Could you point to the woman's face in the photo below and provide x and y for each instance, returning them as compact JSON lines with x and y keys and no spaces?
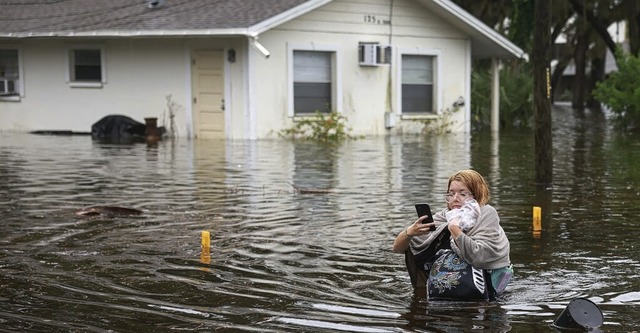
{"x":457,"y":194}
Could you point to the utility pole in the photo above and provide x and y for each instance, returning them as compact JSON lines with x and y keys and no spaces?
{"x":542,"y":93}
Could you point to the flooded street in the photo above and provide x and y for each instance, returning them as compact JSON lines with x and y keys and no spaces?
{"x":301,"y":233}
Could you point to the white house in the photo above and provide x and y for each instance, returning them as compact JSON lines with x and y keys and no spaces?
{"x":239,"y":69}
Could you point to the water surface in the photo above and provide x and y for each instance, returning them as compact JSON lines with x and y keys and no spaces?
{"x":301,"y":233}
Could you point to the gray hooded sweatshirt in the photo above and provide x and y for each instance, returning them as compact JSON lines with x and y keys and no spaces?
{"x":484,"y":246}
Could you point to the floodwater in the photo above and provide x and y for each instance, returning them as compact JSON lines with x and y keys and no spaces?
{"x":301,"y":234}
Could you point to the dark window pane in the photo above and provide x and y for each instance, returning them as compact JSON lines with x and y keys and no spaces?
{"x":417,"y":98}
{"x":312,"y":81}
{"x":312,"y":97}
{"x":88,"y":73}
{"x":9,"y":68}
{"x":87,"y":65}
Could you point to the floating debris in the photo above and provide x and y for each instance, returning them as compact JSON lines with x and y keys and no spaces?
{"x":109,"y":211}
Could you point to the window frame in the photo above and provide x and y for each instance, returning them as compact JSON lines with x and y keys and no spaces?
{"x":336,"y":76}
{"x":70,"y":76}
{"x":437,"y":80}
{"x":19,"y":86}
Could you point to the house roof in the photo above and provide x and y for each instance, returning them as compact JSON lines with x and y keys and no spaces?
{"x":136,"y":18}
{"x":123,"y":18}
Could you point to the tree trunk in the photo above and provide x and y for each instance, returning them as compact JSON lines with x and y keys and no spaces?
{"x":597,"y":75}
{"x":599,"y":27}
{"x":579,"y":78}
{"x":557,"y":77}
{"x":633,"y":28}
{"x":541,"y":94}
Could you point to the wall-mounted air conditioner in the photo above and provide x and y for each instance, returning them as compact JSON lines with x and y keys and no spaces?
{"x":7,"y":87}
{"x":384,"y":54}
{"x":374,"y":54}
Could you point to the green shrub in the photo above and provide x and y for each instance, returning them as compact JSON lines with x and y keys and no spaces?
{"x":322,"y":127}
{"x":440,"y":125}
{"x":516,"y":96}
{"x":621,"y":92}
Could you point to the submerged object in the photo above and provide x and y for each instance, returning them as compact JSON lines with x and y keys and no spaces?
{"x":109,"y":211}
{"x":581,"y":314}
{"x":122,"y":129}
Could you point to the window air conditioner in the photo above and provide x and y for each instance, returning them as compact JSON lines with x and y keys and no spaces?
{"x":384,"y":54}
{"x":368,"y":54}
{"x":6,"y":87}
{"x":374,"y":54}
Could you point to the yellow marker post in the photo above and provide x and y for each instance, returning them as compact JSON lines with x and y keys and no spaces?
{"x":206,"y":240}
{"x":205,"y":254}
{"x":537,"y":219}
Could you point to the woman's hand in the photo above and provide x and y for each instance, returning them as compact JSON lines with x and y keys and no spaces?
{"x":454,"y":228}
{"x":419,"y":227}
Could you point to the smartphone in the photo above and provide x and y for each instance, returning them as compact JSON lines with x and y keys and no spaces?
{"x":423,"y":209}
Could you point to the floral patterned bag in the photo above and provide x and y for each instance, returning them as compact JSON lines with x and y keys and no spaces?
{"x":452,"y":278}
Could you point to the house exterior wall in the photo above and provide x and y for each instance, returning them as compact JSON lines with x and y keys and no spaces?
{"x":365,"y":93}
{"x":140,"y":74}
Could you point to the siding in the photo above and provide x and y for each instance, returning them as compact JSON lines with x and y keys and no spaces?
{"x":366,"y":92}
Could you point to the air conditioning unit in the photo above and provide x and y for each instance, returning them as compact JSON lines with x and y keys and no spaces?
{"x":368,"y":54}
{"x":384,"y":54}
{"x":7,"y":87}
{"x":374,"y":54}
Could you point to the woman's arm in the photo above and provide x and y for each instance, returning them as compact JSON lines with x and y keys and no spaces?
{"x":485,"y":245}
{"x":403,"y":239}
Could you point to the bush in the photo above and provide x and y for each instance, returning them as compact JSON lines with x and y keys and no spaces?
{"x":621,"y":92}
{"x":323,"y":127}
{"x":516,"y":96}
{"x":440,"y":125}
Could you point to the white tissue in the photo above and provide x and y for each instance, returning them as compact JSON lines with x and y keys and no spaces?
{"x":466,"y":216}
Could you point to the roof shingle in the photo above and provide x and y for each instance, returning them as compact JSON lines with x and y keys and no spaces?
{"x":52,"y":17}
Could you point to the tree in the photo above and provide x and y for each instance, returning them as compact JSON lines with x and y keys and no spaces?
{"x":621,"y":92}
{"x":542,"y":106}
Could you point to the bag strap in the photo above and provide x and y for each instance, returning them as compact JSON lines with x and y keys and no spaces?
{"x":442,"y":241}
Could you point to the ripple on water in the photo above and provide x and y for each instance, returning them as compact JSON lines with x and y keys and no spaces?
{"x":300,"y":235}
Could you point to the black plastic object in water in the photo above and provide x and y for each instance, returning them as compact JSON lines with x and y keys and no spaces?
{"x":581,"y":314}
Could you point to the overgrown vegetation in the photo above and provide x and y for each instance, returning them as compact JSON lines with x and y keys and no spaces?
{"x":516,"y":97}
{"x":440,"y":125}
{"x":168,"y":117}
{"x":621,"y":92}
{"x":322,"y":127}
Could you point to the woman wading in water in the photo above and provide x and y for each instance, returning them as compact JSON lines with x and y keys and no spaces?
{"x":468,"y":248}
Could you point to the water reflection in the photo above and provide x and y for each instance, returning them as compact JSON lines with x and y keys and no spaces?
{"x":301,"y":233}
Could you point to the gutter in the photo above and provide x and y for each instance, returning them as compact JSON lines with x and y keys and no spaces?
{"x":131,"y":33}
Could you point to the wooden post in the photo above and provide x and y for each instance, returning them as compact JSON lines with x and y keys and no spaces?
{"x":542,"y":94}
{"x":151,"y":130}
{"x":495,"y":95}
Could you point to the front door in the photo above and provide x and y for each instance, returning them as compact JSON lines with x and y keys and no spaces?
{"x":208,"y":94}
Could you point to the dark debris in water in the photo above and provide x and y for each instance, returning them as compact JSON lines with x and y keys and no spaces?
{"x":107,"y":211}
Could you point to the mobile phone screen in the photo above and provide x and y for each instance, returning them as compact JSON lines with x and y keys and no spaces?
{"x":423,"y":209}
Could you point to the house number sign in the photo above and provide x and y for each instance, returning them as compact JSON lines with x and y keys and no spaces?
{"x":372,"y":19}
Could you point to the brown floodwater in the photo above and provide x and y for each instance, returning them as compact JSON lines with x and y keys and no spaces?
{"x":301,"y":233}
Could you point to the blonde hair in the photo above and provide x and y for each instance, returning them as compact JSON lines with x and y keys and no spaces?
{"x":474,"y":182}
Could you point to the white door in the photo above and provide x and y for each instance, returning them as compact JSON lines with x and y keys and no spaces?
{"x":207,"y":82}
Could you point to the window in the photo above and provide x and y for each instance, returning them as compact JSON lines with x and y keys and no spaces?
{"x":418,"y":84}
{"x":9,"y":73}
{"x":312,"y":82}
{"x":85,"y":65}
